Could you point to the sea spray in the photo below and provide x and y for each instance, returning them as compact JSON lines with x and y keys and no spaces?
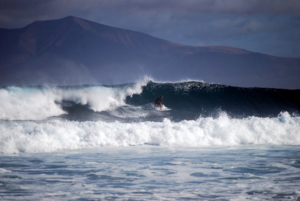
{"x":38,"y":103}
{"x":55,"y":135}
{"x":215,"y":142}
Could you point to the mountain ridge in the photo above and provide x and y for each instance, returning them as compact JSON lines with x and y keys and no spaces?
{"x":72,"y":50}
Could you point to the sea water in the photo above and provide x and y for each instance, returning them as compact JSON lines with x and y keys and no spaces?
{"x":108,"y":143}
{"x":145,"y":172}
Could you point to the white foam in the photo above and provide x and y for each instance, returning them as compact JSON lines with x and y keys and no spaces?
{"x":29,"y":103}
{"x":163,"y":108}
{"x":55,"y":135}
{"x":176,"y":82}
{"x":19,"y":103}
{"x":2,"y":170}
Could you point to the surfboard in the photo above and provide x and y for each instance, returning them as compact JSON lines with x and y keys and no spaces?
{"x":158,"y":108}
{"x":164,"y":108}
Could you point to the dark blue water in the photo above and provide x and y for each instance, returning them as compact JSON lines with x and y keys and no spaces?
{"x":210,"y":142}
{"x":154,"y":173}
{"x":188,"y":100}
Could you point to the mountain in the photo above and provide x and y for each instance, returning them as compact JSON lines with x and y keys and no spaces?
{"x":73,"y":51}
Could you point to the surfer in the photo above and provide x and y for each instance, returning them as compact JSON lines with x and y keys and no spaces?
{"x":158,"y":101}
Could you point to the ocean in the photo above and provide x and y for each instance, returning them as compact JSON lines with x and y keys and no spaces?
{"x":108,"y":142}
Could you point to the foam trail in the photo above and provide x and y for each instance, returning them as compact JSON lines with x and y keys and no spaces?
{"x":38,"y":103}
{"x":58,"y":135}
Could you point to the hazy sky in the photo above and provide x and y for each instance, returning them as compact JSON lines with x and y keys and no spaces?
{"x":265,"y":26}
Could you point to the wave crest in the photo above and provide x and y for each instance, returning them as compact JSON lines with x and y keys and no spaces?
{"x":59,"y":135}
{"x":38,"y":103}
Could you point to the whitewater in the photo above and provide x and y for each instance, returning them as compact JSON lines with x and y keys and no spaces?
{"x":211,"y":142}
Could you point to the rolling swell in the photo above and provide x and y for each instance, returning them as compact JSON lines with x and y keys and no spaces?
{"x":189,"y":100}
{"x":134,"y":102}
{"x":48,"y":119}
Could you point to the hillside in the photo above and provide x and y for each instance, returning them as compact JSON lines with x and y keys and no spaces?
{"x":73,"y":51}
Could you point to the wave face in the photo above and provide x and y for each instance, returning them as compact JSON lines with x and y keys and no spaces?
{"x":189,"y":100}
{"x":46,"y":119}
{"x":134,"y":102}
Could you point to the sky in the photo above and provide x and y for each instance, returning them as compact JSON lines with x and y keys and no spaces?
{"x":265,"y":26}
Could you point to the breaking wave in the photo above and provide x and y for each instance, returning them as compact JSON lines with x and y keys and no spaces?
{"x":56,"y":135}
{"x":196,"y":114}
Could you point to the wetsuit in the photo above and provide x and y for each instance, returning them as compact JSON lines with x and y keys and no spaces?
{"x":158,"y":101}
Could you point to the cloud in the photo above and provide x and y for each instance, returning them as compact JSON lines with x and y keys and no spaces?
{"x":239,"y":23}
{"x":204,"y":6}
{"x":14,"y":13}
{"x":37,"y":8}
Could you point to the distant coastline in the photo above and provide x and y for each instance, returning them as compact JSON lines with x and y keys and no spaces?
{"x":74,"y":51}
